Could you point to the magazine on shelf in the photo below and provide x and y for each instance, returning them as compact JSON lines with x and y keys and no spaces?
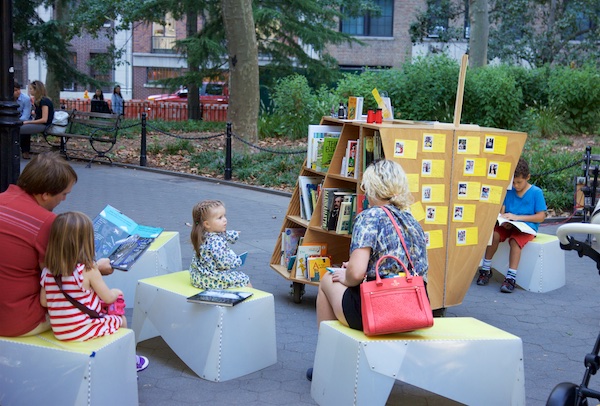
{"x":521,"y":225}
{"x":120,"y":239}
{"x":219,"y":297}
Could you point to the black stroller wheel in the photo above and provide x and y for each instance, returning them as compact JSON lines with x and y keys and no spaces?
{"x":564,"y":394}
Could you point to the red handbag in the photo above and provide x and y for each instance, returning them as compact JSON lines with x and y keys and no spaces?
{"x":395,"y":305}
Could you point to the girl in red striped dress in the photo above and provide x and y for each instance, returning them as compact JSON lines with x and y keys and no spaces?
{"x":70,"y":255}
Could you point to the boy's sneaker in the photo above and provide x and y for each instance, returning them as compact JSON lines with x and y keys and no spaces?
{"x":508,"y":285}
{"x":484,"y":277}
{"x":141,"y":362}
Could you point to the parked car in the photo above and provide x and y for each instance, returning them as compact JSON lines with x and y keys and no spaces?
{"x":210,"y":93}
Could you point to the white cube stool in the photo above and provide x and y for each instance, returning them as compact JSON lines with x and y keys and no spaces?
{"x":162,"y":256}
{"x":462,"y":359}
{"x":542,"y":264}
{"x":218,"y":343}
{"x":41,"y":370}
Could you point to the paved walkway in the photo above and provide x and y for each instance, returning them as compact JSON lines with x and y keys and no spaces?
{"x":557,"y":328}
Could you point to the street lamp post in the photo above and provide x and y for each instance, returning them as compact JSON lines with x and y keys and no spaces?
{"x":9,"y":116}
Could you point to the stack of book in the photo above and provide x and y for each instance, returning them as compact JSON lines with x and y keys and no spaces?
{"x":322,"y":141}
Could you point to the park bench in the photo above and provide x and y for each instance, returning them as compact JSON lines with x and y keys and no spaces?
{"x":100,"y":129}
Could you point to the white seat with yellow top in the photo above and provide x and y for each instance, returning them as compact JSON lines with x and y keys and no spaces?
{"x":218,"y":343}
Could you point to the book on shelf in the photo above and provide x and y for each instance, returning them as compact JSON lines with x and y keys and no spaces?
{"x":521,"y":225}
{"x":331,"y":204}
{"x":325,"y":150}
{"x":120,"y":239}
{"x":372,"y":149}
{"x":219,"y":297}
{"x":290,"y":239}
{"x":317,"y":266}
{"x":355,"y":107}
{"x":316,"y":132}
{"x":306,"y":250}
{"x":350,"y":159}
{"x":345,"y":217}
{"x":306,"y":185}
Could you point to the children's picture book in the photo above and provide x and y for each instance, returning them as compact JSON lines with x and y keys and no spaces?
{"x":317,"y":266}
{"x":219,"y":297}
{"x":306,"y":250}
{"x":120,"y":239}
{"x":290,"y":239}
{"x":524,"y":227}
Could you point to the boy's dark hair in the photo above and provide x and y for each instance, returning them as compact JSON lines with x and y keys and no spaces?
{"x":522,"y":169}
{"x":17,"y":85}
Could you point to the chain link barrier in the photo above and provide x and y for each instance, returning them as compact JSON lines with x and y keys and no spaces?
{"x":267,"y":149}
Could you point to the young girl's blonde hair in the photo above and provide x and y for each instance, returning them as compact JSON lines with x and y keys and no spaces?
{"x":199,"y":216}
{"x":71,"y":242}
{"x":386,"y":180}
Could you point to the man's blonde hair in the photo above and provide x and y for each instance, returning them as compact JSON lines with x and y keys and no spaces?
{"x":386,"y":180}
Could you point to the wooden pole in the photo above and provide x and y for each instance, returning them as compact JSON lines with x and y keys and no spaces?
{"x":460,"y":91}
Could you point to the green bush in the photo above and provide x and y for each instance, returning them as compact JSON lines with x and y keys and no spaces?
{"x":550,"y":172}
{"x":428,"y":90}
{"x":492,"y":98}
{"x":576,"y":94}
{"x":295,"y":106}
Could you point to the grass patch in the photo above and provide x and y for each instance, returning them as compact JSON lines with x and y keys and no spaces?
{"x":261,"y":169}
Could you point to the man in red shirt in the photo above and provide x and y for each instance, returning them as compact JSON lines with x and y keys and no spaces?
{"x":25,"y":220}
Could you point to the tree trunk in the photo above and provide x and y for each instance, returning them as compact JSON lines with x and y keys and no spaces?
{"x":479,"y":32}
{"x":243,"y":69}
{"x":194,"y":112}
{"x":52,"y":83}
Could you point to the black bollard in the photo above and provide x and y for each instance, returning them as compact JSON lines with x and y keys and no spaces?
{"x":228,"y":153}
{"x":143,"y":143}
{"x":9,"y":116}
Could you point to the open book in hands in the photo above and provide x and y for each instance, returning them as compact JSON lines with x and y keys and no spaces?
{"x":521,"y":225}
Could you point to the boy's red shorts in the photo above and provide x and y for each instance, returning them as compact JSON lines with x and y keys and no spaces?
{"x":520,"y":237}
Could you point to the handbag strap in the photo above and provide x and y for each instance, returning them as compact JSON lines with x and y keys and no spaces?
{"x":411,"y":267}
{"x":92,"y":313}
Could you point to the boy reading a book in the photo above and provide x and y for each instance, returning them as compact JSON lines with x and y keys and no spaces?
{"x":523,"y":203}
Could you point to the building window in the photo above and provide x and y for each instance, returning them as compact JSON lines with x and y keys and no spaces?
{"x":155,"y":74}
{"x":100,"y":69}
{"x":18,"y":63}
{"x":380,"y":25}
{"x":164,"y":36}
{"x":71,"y":86}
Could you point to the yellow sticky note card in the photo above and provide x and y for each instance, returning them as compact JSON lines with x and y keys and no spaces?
{"x":434,"y":142}
{"x":436,"y":215}
{"x":499,"y":170}
{"x":467,"y":236}
{"x":467,"y":145}
{"x":463,"y":213}
{"x":491,"y":194}
{"x":495,"y":144}
{"x":433,"y":193}
{"x":475,"y":167}
{"x":433,"y":168}
{"x":416,"y":209}
{"x":413,"y":182}
{"x":469,"y":190}
{"x":434,"y":239}
{"x":405,"y":149}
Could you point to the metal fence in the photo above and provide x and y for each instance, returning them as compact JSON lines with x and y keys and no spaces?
{"x":167,"y":111}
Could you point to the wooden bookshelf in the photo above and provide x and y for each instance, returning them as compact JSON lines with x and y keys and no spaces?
{"x":441,"y":161}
